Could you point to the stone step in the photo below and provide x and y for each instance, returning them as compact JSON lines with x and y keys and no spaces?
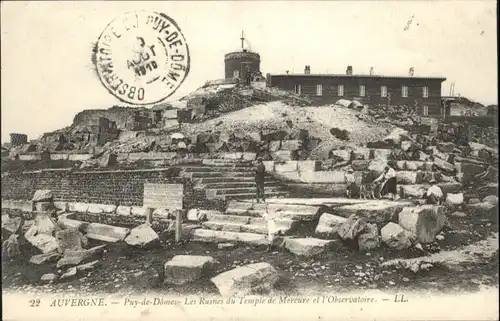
{"x":245,"y":184}
{"x":199,"y":174}
{"x":222,"y":179}
{"x":249,"y":196}
{"x":257,"y":228}
{"x":290,"y":214}
{"x":238,"y":190}
{"x":212,"y":236}
{"x":194,"y":169}
{"x":247,"y":219}
{"x":271,"y":206}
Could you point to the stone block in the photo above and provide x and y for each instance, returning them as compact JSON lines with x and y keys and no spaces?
{"x":274,"y":145}
{"x":343,"y":154}
{"x":138,"y":210}
{"x":123,"y":210}
{"x":425,"y":221}
{"x":328,"y":225}
{"x":374,"y":211}
{"x":183,"y":269}
{"x":307,"y":247}
{"x":45,"y":258}
{"x":492,"y":199}
{"x":308,"y":166}
{"x":62,"y":206}
{"x":291,"y":145}
{"x":48,"y":277}
{"x":445,"y":147}
{"x":11,"y":248}
{"x":246,"y":280}
{"x":101,"y":208}
{"x":70,"y":273}
{"x":455,"y":199}
{"x":68,"y":240}
{"x":43,"y":207}
{"x":282,"y":155}
{"x":289,"y":166}
{"x":352,"y":227}
{"x":444,"y":165}
{"x":409,"y":177}
{"x":369,"y":239}
{"x":412,"y":191}
{"x":269,"y":165}
{"x":381,"y":154}
{"x":78,"y":207}
{"x":395,"y":237}
{"x":43,"y":195}
{"x":249,"y":156}
{"x":361,"y":153}
{"x":11,"y":225}
{"x":142,"y":236}
{"x":333,"y":177}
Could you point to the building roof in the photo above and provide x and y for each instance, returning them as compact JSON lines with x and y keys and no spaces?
{"x":358,"y":76}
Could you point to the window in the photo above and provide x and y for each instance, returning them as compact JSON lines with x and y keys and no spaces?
{"x":236,"y":74}
{"x":319,"y":90}
{"x":383,"y":91}
{"x":297,"y":89}
{"x":425,"y":92}
{"x":426,"y":110}
{"x":404,"y":91}
{"x":341,"y":90}
{"x":362,"y":91}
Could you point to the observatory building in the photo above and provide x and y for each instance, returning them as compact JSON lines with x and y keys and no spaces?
{"x":239,"y":63}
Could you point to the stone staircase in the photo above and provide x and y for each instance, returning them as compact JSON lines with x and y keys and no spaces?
{"x":227,"y":180}
{"x":242,"y":222}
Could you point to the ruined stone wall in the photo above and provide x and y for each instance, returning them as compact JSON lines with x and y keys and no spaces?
{"x":101,"y":187}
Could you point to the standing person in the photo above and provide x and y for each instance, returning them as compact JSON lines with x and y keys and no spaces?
{"x":260,"y":173}
{"x":388,"y":179}
{"x":434,"y":194}
{"x":350,"y":181}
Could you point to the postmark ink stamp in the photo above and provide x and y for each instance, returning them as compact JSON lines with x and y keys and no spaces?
{"x":142,"y":57}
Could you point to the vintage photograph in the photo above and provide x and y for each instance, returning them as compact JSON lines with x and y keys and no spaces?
{"x":262,"y":156}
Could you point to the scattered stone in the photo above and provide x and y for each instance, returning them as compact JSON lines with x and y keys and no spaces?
{"x":424,"y":221}
{"x":87,"y":266}
{"x":222,"y":246}
{"x":70,"y":273}
{"x":493,"y":199}
{"x":11,"y":224}
{"x":474,"y":201}
{"x":142,"y":236}
{"x":307,"y":247}
{"x":73,"y":258}
{"x":352,"y":227}
{"x":107,"y":159}
{"x":69,"y":239}
{"x":392,"y":283}
{"x":45,"y":224}
{"x":406,"y":280}
{"x":44,"y":258}
{"x":444,"y":165}
{"x":369,"y":238}
{"x":245,"y":280}
{"x":43,"y":195}
{"x":328,"y":225}
{"x":395,"y":236}
{"x":49,"y":277}
{"x":445,"y":147}
{"x":10,"y":247}
{"x":188,"y":268}
{"x":455,"y":199}
{"x":44,"y":242}
{"x":458,"y":214}
{"x":440,"y":237}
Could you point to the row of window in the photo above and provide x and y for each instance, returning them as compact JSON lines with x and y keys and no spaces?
{"x":362,"y":91}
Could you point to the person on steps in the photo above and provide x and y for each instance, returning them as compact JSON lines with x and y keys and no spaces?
{"x":389,"y":183}
{"x":350,"y":181}
{"x":260,"y":173}
{"x":434,"y":194}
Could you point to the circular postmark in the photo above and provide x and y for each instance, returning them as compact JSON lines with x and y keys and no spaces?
{"x":142,"y":58}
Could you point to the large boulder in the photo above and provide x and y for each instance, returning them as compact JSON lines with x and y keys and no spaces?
{"x":10,"y":247}
{"x":306,"y":247}
{"x":42,"y":241}
{"x":11,"y":225}
{"x":425,"y":221}
{"x":183,"y":269}
{"x":142,"y":236}
{"x":369,"y":239}
{"x":328,"y":225}
{"x":395,"y":237}
{"x":245,"y":280}
{"x":69,"y":240}
{"x":43,"y":195}
{"x":352,"y":227}
{"x":72,"y":258}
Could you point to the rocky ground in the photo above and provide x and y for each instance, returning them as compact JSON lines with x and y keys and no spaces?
{"x":470,"y":241}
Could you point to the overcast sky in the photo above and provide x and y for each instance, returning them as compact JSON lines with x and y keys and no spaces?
{"x":47,"y":74}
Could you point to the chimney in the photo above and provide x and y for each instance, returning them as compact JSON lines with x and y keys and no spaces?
{"x":287,"y":72}
{"x":307,"y":70}
{"x":349,"y":71}
{"x":411,"y":72}
{"x":371,"y":71}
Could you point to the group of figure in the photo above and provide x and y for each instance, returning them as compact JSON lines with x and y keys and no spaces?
{"x":387,"y":180}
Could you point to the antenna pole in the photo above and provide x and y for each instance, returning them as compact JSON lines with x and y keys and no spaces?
{"x":242,"y":39}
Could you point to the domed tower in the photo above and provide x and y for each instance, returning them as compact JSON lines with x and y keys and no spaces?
{"x":239,"y":63}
